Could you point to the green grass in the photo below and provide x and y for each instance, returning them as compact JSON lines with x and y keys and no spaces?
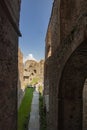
{"x":24,"y":109}
{"x":42,"y":111}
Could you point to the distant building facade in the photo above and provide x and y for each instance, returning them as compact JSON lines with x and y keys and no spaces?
{"x":33,"y":70}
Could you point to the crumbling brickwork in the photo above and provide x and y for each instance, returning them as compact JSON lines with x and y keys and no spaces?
{"x":9,"y":32}
{"x":33,"y":70}
{"x":66,"y":64}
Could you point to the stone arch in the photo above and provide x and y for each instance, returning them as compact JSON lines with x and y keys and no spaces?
{"x":85,"y":105}
{"x":70,"y":103}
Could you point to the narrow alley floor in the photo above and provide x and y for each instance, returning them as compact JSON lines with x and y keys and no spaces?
{"x":34,"y":115}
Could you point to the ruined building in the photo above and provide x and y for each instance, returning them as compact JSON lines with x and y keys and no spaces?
{"x":9,"y":32}
{"x":33,"y":70}
{"x":66,"y":66}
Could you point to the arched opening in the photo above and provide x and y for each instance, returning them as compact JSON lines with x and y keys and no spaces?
{"x":85,"y":106}
{"x":70,"y":105}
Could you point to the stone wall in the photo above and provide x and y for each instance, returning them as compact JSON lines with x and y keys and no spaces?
{"x":66,"y":44}
{"x":9,"y":33}
{"x":20,"y":77}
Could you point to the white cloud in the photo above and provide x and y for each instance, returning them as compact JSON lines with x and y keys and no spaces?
{"x":29,"y":57}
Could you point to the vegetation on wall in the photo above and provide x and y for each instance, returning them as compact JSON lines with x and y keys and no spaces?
{"x":40,"y":89}
{"x":35,"y":80}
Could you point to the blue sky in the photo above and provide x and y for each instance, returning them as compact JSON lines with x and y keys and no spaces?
{"x":34,"y":19}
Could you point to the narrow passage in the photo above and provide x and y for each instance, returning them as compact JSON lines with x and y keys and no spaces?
{"x":34,"y":115}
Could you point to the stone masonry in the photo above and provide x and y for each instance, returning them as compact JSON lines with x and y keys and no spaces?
{"x":66,"y":64}
{"x":9,"y":32}
{"x":20,"y":76}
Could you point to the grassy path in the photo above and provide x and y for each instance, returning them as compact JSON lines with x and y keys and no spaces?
{"x":24,"y":109}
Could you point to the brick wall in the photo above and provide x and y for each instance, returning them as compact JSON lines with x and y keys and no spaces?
{"x":8,"y":66}
{"x":67,"y":29}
